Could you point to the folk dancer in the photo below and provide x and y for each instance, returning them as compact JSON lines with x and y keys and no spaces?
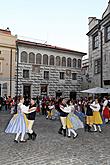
{"x":97,"y":120}
{"x":18,"y":123}
{"x":31,"y":118}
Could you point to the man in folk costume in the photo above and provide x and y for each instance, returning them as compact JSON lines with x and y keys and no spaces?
{"x":89,"y":115}
{"x":97,"y":120}
{"x":19,"y":123}
{"x":63,"y":116}
{"x":31,"y":118}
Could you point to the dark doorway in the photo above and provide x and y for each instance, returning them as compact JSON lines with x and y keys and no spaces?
{"x":58,"y":94}
{"x":27,"y":91}
{"x":73,"y":95}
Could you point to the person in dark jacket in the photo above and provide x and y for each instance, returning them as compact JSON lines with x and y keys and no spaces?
{"x":31,"y":118}
{"x":89,"y":115}
{"x":63,"y":116}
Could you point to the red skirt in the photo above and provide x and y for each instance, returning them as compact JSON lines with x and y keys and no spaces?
{"x":106,"y":113}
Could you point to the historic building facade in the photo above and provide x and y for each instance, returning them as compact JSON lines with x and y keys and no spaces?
{"x":48,"y":70}
{"x":99,"y":49}
{"x":7,"y":62}
{"x":86,"y":82}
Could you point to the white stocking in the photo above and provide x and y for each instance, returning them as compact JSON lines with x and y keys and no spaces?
{"x":22,"y":136}
{"x":17,"y":136}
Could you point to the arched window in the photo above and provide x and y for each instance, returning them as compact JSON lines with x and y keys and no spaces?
{"x":31,"y":58}
{"x":51,"y":60}
{"x":24,"y":57}
{"x":79,"y":63}
{"x":63,"y":61}
{"x":58,"y":61}
{"x":45,"y":59}
{"x":74,"y":63}
{"x":68,"y":62}
{"x":38,"y":58}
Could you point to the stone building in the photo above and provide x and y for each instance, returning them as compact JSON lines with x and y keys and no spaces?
{"x":7,"y":62}
{"x":86,"y":82}
{"x":99,"y":49}
{"x":48,"y":70}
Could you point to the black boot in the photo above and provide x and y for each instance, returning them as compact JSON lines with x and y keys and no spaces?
{"x":64,"y":132}
{"x":34,"y":135}
{"x":60,"y":130}
{"x":29,"y":136}
{"x":89,"y":128}
{"x":86,"y":127}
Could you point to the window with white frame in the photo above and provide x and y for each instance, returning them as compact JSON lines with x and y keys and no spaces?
{"x":38,"y":58}
{"x":24,"y":57}
{"x":31,"y":58}
{"x":107,"y":33}
{"x":69,"y":62}
{"x":45,"y":59}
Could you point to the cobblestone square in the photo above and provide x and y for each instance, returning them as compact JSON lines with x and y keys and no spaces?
{"x":50,"y":148}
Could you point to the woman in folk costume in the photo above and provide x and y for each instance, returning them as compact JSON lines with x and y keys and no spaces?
{"x":97,"y":120}
{"x":106,"y":113}
{"x":63,"y":116}
{"x":105,"y":110}
{"x":73,"y":121}
{"x":18,"y":123}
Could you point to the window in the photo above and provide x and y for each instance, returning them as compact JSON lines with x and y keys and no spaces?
{"x":106,"y":82}
{"x":51,"y":60}
{"x":62,"y":75}
{"x":58,"y":61}
{"x":38,"y":58}
{"x":68,"y":62}
{"x":74,"y":63}
{"x":105,"y":57}
{"x":45,"y":59}
{"x":74,"y":76}
{"x":25,"y":73}
{"x":95,"y":41}
{"x":46,"y":75}
{"x":44,"y":89}
{"x":79,"y":63}
{"x":107,"y":33}
{"x":63,"y":61}
{"x":24,"y":57}
{"x":31,"y":58}
{"x":97,"y":66}
{"x":0,"y":66}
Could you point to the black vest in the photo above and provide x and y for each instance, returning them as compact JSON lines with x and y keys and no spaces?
{"x":32,"y":115}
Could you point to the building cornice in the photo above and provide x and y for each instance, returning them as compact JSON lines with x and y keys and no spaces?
{"x":29,"y":43}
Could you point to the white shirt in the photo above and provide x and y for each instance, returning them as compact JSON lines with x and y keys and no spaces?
{"x":95,"y":107}
{"x":24,"y":108}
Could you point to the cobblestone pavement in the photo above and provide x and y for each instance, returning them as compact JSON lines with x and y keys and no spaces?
{"x":50,"y":148}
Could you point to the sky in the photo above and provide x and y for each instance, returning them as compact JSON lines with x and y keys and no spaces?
{"x":62,"y":23}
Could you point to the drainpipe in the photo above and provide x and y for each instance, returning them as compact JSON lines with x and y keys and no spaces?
{"x":10,"y":72}
{"x":17,"y":58}
{"x":101,"y":56}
